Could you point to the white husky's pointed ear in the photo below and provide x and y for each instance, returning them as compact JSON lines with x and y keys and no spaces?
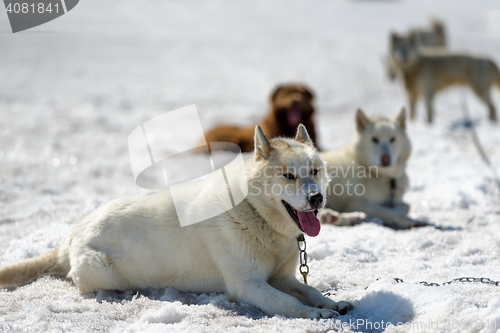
{"x":262,"y":146}
{"x":361,"y":120}
{"x":401,"y":118}
{"x":303,"y":136}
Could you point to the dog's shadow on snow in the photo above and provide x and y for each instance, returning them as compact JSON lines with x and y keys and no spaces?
{"x":426,"y":224}
{"x":371,"y":314}
{"x":444,"y":227}
{"x":377,"y":311}
{"x":218,"y":300}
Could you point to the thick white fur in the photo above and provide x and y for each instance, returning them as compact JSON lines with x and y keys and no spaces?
{"x":364,"y":156}
{"x":249,"y":252}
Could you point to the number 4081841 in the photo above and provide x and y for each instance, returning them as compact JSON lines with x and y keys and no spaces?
{"x":31,"y":8}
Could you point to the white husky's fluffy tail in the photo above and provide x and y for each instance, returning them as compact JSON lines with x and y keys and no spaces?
{"x":28,"y":270}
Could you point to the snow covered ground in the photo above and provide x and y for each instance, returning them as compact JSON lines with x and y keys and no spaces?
{"x":72,"y":90}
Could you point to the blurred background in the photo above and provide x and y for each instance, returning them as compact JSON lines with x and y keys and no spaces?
{"x":73,"y":89}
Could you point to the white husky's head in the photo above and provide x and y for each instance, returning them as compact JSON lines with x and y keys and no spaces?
{"x":287,"y":182}
{"x":382,"y":142}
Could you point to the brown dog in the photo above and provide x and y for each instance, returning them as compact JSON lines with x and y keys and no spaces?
{"x":291,"y":105}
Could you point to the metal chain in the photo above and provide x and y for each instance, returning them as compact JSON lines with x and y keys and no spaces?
{"x":303,"y":268}
{"x":475,"y":139}
{"x":392,"y":190}
{"x":462,"y":279}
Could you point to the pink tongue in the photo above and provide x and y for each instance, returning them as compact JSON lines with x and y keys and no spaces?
{"x":294,"y":117}
{"x":309,"y":223}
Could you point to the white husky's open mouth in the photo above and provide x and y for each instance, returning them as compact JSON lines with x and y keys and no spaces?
{"x":306,"y":221}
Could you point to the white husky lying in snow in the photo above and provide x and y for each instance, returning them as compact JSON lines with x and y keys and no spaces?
{"x":249,"y":252}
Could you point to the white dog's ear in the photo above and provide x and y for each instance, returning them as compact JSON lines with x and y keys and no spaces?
{"x":262,"y":146}
{"x":401,"y":118}
{"x":361,"y":120}
{"x":303,"y":136}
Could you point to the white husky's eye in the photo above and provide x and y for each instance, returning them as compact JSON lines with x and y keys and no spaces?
{"x":314,"y":172}
{"x":375,"y":140}
{"x":288,"y":176}
{"x":391,"y":140}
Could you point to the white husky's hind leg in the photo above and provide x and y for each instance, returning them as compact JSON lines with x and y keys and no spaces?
{"x":92,"y":270}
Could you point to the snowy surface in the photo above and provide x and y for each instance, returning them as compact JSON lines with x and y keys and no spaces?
{"x":73,"y":89}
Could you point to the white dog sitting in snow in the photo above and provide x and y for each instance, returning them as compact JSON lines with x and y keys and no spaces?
{"x":369,"y":176}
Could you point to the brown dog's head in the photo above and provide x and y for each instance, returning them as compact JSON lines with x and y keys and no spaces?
{"x":292,"y":105}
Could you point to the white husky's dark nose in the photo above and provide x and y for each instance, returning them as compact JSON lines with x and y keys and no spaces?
{"x":385,"y":160}
{"x":315,"y":199}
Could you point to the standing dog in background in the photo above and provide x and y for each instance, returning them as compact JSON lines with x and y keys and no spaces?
{"x":434,"y":36}
{"x":428,"y":71}
{"x":369,"y":176}
{"x":291,"y":105}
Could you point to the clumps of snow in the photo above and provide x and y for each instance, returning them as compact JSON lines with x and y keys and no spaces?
{"x":169,"y":313}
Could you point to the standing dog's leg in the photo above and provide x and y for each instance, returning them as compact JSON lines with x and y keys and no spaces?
{"x":484,"y":93}
{"x":413,"y":104}
{"x":413,"y":96}
{"x":429,"y":96}
{"x":412,"y":91}
{"x":492,"y":111}
{"x":427,"y":88}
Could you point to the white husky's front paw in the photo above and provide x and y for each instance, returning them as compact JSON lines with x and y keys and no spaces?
{"x":329,"y":216}
{"x":352,"y":218}
{"x":321,"y":313}
{"x":342,"y":307}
